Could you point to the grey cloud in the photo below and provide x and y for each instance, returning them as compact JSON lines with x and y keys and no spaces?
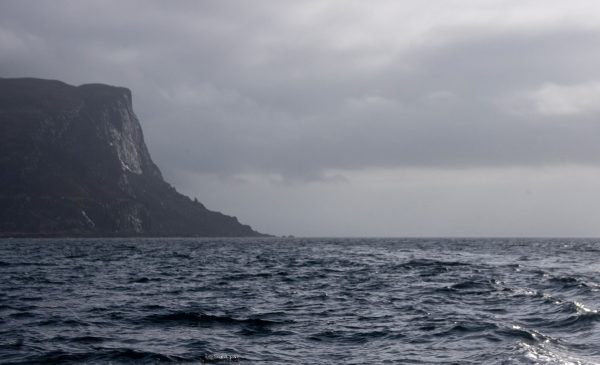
{"x":442,"y":114}
{"x":232,"y":88}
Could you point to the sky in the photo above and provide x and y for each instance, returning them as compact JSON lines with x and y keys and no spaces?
{"x":348,"y":118}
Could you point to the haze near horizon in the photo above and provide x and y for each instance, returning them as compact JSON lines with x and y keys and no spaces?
{"x":345,"y":118}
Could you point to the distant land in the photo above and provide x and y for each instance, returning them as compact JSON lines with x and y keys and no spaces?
{"x":73,"y":162}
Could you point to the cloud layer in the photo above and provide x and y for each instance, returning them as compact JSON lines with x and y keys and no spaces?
{"x":321,"y":91}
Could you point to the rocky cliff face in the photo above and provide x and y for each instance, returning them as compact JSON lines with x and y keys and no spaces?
{"x":73,"y":162}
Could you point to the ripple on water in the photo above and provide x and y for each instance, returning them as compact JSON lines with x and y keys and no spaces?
{"x":304,"y":301}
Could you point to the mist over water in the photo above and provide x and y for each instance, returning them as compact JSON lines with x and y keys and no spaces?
{"x":299,"y":301}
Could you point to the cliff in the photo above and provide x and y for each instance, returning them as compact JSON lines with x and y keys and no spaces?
{"x":73,"y":162}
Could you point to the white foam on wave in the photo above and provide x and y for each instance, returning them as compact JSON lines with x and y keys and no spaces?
{"x":582,"y":308}
{"x":541,"y":354}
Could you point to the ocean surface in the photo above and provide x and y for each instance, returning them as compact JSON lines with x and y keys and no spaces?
{"x":300,"y":301}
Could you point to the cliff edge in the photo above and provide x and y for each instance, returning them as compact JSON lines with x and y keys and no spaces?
{"x":73,"y":162}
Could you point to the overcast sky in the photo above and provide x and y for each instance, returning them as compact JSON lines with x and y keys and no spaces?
{"x":348,"y":118}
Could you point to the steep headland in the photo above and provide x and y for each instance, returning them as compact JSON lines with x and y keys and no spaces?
{"x":73,"y":162}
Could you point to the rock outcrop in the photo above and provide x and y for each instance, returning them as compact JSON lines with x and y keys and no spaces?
{"x":73,"y":162}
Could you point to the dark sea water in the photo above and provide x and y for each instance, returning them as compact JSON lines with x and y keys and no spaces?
{"x":300,"y":301}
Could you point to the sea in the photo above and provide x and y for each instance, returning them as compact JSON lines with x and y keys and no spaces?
{"x":300,"y":301}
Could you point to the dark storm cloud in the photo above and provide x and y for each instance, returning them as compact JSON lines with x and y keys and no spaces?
{"x":299,"y":88}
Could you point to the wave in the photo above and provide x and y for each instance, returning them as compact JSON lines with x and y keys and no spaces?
{"x":426,"y":263}
{"x":544,"y":353}
{"x":354,"y":337}
{"x":314,"y":301}
{"x":102,"y":356}
{"x":217,"y":358}
{"x":200,"y":318}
